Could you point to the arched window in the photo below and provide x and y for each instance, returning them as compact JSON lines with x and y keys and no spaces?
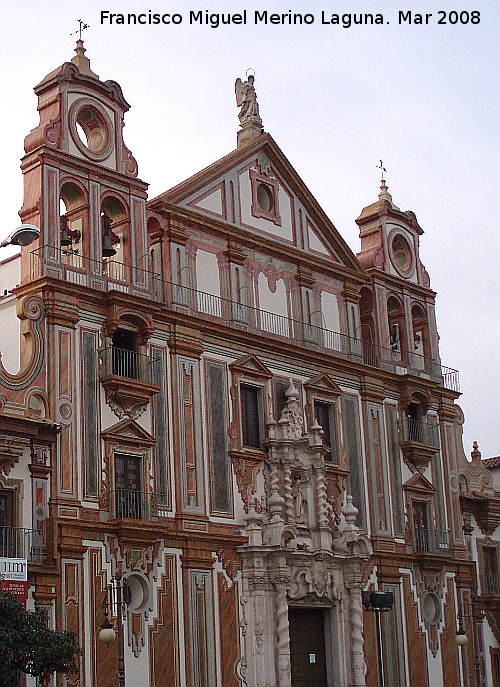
{"x":73,"y":221}
{"x":396,"y":323}
{"x":420,"y":331}
{"x":115,"y":230}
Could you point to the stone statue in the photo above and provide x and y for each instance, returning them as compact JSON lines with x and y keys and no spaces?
{"x":246,"y":99}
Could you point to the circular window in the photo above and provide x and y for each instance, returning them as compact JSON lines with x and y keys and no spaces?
{"x":402,"y":255}
{"x":139,"y":592}
{"x":90,"y":123}
{"x":265,"y":198}
{"x":91,"y":129}
{"x":431,"y":608}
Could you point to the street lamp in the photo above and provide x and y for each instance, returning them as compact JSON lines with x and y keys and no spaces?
{"x":22,"y":236}
{"x":378,"y":602}
{"x":118,"y":595}
{"x":461,"y":637}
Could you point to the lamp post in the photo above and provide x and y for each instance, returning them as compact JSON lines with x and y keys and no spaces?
{"x":476,"y":615}
{"x":118,"y":592}
{"x":378,"y":602}
{"x":22,"y":236}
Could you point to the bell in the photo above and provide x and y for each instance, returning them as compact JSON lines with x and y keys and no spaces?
{"x":107,"y":247}
{"x":65,"y":235}
{"x":107,"y":242}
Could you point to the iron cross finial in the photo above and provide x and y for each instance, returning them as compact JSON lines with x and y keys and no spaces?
{"x":382,"y":169}
{"x":82,"y":27}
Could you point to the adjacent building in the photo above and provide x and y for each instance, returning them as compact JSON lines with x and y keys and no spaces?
{"x":219,"y":400}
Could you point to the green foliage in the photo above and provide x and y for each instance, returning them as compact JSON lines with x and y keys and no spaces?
{"x":28,"y":646}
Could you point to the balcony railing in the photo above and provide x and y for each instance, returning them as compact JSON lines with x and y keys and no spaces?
{"x":420,"y":432}
{"x":16,"y":542}
{"x":119,"y":362}
{"x":112,"y":275}
{"x":130,"y":504}
{"x":432,"y":541}
{"x":490,"y":584}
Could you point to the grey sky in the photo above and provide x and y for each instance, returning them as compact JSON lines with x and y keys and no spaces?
{"x":423,"y":98}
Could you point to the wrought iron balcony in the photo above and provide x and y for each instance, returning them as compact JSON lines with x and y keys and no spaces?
{"x":112,"y":275}
{"x":119,"y":362}
{"x":490,"y":584}
{"x":16,"y":542}
{"x":432,"y":541}
{"x":420,"y":432}
{"x":130,"y":504}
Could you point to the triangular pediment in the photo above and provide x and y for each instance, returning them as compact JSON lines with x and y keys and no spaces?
{"x":128,"y":431}
{"x":256,"y":189}
{"x":251,"y":366}
{"x":419,"y":483}
{"x":323,"y":384}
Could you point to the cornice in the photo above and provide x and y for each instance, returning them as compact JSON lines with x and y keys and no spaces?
{"x":261,"y":243}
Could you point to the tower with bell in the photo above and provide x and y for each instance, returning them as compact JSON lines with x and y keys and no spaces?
{"x":80,"y":179}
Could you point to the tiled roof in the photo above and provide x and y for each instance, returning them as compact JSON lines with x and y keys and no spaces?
{"x":491,"y":462}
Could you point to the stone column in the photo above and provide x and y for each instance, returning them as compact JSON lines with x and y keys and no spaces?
{"x":282,"y":633}
{"x":357,"y":642}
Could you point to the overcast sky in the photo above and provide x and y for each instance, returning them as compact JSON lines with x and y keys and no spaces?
{"x":424,"y":98}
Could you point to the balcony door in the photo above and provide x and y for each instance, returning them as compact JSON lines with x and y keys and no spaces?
{"x":6,"y":508}
{"x":129,"y":496}
{"x":490,"y":570}
{"x":125,"y":359}
{"x":421,"y":523}
{"x":10,"y":537}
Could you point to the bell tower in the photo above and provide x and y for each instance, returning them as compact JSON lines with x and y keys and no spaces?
{"x":80,"y":180}
{"x":398,"y":311}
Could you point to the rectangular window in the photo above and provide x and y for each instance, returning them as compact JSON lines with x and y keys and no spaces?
{"x":325,"y":416}
{"x":251,"y":423}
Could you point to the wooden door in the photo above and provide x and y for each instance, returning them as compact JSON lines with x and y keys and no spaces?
{"x":307,"y":647}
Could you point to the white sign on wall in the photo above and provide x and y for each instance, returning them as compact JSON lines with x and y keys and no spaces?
{"x":14,"y":577}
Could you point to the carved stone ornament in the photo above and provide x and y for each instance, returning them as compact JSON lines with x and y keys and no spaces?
{"x":230,"y":561}
{"x":291,"y":421}
{"x":316,"y":579}
{"x":11,"y":449}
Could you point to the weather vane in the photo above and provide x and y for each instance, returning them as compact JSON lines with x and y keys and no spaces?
{"x":382,"y":170}
{"x":81,"y":28}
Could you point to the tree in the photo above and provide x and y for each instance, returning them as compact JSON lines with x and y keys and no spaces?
{"x":28,"y":646}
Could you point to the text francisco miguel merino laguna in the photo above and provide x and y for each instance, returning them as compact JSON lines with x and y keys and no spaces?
{"x":214,"y":20}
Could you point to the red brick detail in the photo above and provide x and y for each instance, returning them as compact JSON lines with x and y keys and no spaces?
{"x":229,"y":632}
{"x":164,"y":634}
{"x":419,"y":676}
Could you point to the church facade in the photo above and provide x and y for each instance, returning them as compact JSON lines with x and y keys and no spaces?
{"x":219,"y":401}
